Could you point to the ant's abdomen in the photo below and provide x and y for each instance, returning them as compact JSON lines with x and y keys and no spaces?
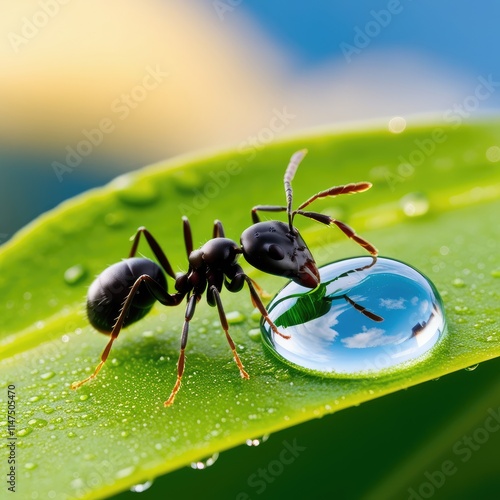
{"x":109,"y":291}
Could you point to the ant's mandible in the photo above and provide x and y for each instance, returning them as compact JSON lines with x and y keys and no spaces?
{"x":126,"y":291}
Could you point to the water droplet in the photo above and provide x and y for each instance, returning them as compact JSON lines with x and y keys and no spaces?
{"x":254,"y":334}
{"x":472,"y":367}
{"x":257,"y":441}
{"x":30,"y":466}
{"x":139,"y":488}
{"x":207,"y":462}
{"x":47,"y":375}
{"x":415,"y":204}
{"x":496,"y":272}
{"x":37,"y":422}
{"x":127,"y":471}
{"x":458,"y":282}
{"x":115,"y":220}
{"x":361,"y":319}
{"x":235,"y":317}
{"x":136,"y":192}
{"x":75,"y":274}
{"x":24,"y":432}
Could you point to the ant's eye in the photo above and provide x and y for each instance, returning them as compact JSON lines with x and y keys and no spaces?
{"x":275,"y":252}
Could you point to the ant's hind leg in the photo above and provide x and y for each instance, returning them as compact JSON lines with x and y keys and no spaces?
{"x":157,"y":291}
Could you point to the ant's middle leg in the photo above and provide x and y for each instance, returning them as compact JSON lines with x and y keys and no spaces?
{"x":225,"y":326}
{"x":190,"y":308}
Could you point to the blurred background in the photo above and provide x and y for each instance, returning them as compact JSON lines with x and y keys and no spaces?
{"x":92,"y":89}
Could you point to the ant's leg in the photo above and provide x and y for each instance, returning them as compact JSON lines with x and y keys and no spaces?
{"x":223,"y":321}
{"x":157,"y":291}
{"x":188,"y":237}
{"x":352,"y":188}
{"x":155,"y":247}
{"x":218,"y":230}
{"x":362,"y":309}
{"x":265,"y":208}
{"x":347,"y":230}
{"x":190,"y":308}
{"x":261,"y":307}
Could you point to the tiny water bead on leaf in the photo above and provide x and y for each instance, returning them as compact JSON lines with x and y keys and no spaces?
{"x":364,"y":317}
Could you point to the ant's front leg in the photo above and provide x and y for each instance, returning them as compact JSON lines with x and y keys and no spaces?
{"x":238,"y":279}
{"x":265,"y":208}
{"x":218,"y":230}
{"x":157,"y":291}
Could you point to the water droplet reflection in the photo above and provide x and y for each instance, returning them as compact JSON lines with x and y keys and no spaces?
{"x":139,"y":488}
{"x":207,"y":462}
{"x":361,"y":318}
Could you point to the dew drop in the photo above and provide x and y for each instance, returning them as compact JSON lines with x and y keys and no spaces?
{"x":24,"y":432}
{"x":235,"y":317}
{"x":30,"y":466}
{"x":139,"y":488}
{"x":415,"y":204}
{"x":361,"y":319}
{"x":47,"y":375}
{"x":115,"y":220}
{"x":127,"y":471}
{"x":75,"y":274}
{"x":458,"y":282}
{"x":496,"y":273}
{"x":254,"y":334}
{"x":257,"y":441}
{"x":472,"y":367}
{"x":136,"y":192}
{"x":207,"y":462}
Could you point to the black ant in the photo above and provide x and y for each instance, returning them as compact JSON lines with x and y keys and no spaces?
{"x":125,"y":292}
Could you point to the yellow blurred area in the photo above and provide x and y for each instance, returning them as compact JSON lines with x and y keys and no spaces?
{"x":147,"y":80}
{"x":168,"y":78}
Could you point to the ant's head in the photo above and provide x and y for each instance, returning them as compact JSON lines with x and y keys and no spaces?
{"x":273,"y":248}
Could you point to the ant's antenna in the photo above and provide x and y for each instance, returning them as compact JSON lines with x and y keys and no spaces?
{"x":289,"y":174}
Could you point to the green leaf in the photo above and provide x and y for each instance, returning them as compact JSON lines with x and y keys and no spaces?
{"x":434,"y":205}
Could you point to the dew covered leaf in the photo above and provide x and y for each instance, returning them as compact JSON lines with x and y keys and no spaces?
{"x":434,"y":205}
